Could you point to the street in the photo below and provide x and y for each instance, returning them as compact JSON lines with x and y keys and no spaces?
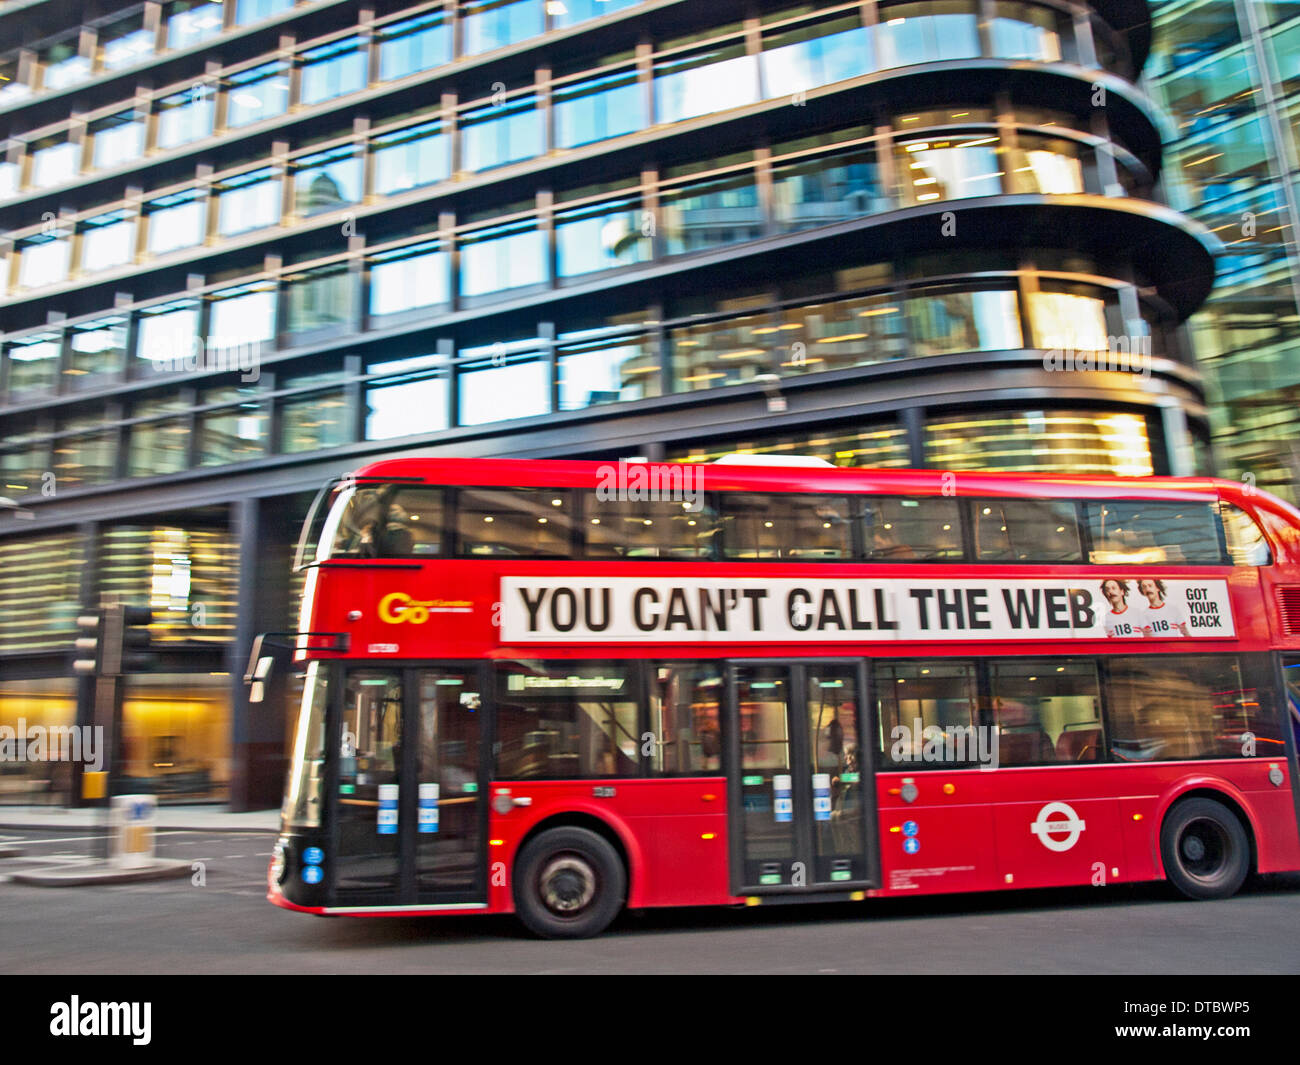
{"x":226,"y":926}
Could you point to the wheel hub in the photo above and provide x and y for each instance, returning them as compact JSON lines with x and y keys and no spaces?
{"x":1204,"y":848}
{"x":568,"y":884}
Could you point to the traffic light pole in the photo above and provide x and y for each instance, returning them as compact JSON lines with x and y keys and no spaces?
{"x":116,"y":636}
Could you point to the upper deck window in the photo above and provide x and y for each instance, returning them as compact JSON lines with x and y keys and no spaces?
{"x":911,"y":530}
{"x":797,"y":528}
{"x":514,"y":521}
{"x":1026,"y":530}
{"x":1139,"y":531}
{"x":392,"y":521}
{"x":1246,"y":543}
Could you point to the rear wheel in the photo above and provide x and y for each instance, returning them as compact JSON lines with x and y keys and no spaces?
{"x":1205,"y":849}
{"x":569,"y":884}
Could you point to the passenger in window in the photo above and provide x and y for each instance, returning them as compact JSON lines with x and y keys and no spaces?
{"x":1124,"y":619}
{"x":1165,"y":618}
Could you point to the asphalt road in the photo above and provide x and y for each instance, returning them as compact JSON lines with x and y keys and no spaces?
{"x":225,"y":926}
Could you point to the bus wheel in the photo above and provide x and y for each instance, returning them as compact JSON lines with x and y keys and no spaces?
{"x":569,"y":883}
{"x":1205,"y":849}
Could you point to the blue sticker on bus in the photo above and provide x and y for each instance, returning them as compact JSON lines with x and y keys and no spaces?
{"x":313,"y":856}
{"x":312,"y":874}
{"x":911,"y":845}
{"x":910,"y":828}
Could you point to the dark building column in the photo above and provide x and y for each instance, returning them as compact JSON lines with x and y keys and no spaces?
{"x":257,"y":754}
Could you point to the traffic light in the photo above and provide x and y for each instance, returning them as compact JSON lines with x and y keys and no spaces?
{"x":134,"y":641}
{"x":115,"y":641}
{"x":89,"y":644}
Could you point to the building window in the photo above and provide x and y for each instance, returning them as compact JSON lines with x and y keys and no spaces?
{"x":316,"y":422}
{"x":54,"y":161}
{"x":599,"y":369}
{"x":502,"y":257}
{"x":797,"y":58}
{"x":97,"y":350}
{"x":169,"y":334}
{"x":116,"y":140}
{"x":598,"y":108}
{"x":321,"y":298}
{"x":247,"y":11}
{"x":500,"y":133}
{"x":326,"y":180}
{"x":703,"y":81}
{"x":601,"y":236}
{"x":708,"y":214}
{"x":124,"y":42}
{"x":827,"y":189}
{"x":192,"y":21}
{"x":1083,"y":442}
{"x":413,"y":45}
{"x":63,"y":66}
{"x":185,"y":116}
{"x":85,"y":458}
{"x":159,"y":446}
{"x":572,"y":12}
{"x":492,"y":24}
{"x":248,"y":201}
{"x":235,"y":433}
{"x":107,"y":240}
{"x":333,"y":70}
{"x":410,"y":400}
{"x":252,"y":95}
{"x":943,"y":322}
{"x":33,"y":363}
{"x":927,"y":33}
{"x":883,"y":446}
{"x":727,"y":352}
{"x":408,"y":278}
{"x":965,"y":164}
{"x":411,"y":157}
{"x":503,"y":381}
{"x":9,"y":175}
{"x":175,"y":221}
{"x":43,"y":260}
{"x":11,"y":88}
{"x":1070,"y":320}
{"x":1027,"y":31}
{"x":840,"y":333}
{"x":242,"y":319}
{"x":1051,"y":166}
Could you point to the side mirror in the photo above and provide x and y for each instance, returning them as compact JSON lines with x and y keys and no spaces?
{"x":257,"y":690}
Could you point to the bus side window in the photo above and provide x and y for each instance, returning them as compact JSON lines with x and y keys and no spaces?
{"x":1245,"y":539}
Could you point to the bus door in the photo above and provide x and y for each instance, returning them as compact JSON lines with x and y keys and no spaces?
{"x":800,"y":784}
{"x":411,"y":825}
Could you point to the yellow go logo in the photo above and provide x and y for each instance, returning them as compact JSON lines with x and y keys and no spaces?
{"x":397,"y":607}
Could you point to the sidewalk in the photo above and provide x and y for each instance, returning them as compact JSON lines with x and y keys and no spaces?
{"x":192,"y":818}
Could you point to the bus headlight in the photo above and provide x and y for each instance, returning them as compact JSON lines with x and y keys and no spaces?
{"x":277,"y":863}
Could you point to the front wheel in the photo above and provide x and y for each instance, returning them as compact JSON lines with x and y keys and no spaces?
{"x":569,"y":884}
{"x":1205,"y":849}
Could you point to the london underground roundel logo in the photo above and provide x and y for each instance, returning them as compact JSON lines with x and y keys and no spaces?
{"x":1057,"y":819}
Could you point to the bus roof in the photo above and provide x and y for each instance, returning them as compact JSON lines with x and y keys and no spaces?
{"x":732,"y":476}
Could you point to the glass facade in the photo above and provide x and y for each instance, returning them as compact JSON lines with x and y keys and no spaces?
{"x":1227,"y":74}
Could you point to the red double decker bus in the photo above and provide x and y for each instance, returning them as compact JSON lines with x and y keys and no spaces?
{"x":562,"y":688}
